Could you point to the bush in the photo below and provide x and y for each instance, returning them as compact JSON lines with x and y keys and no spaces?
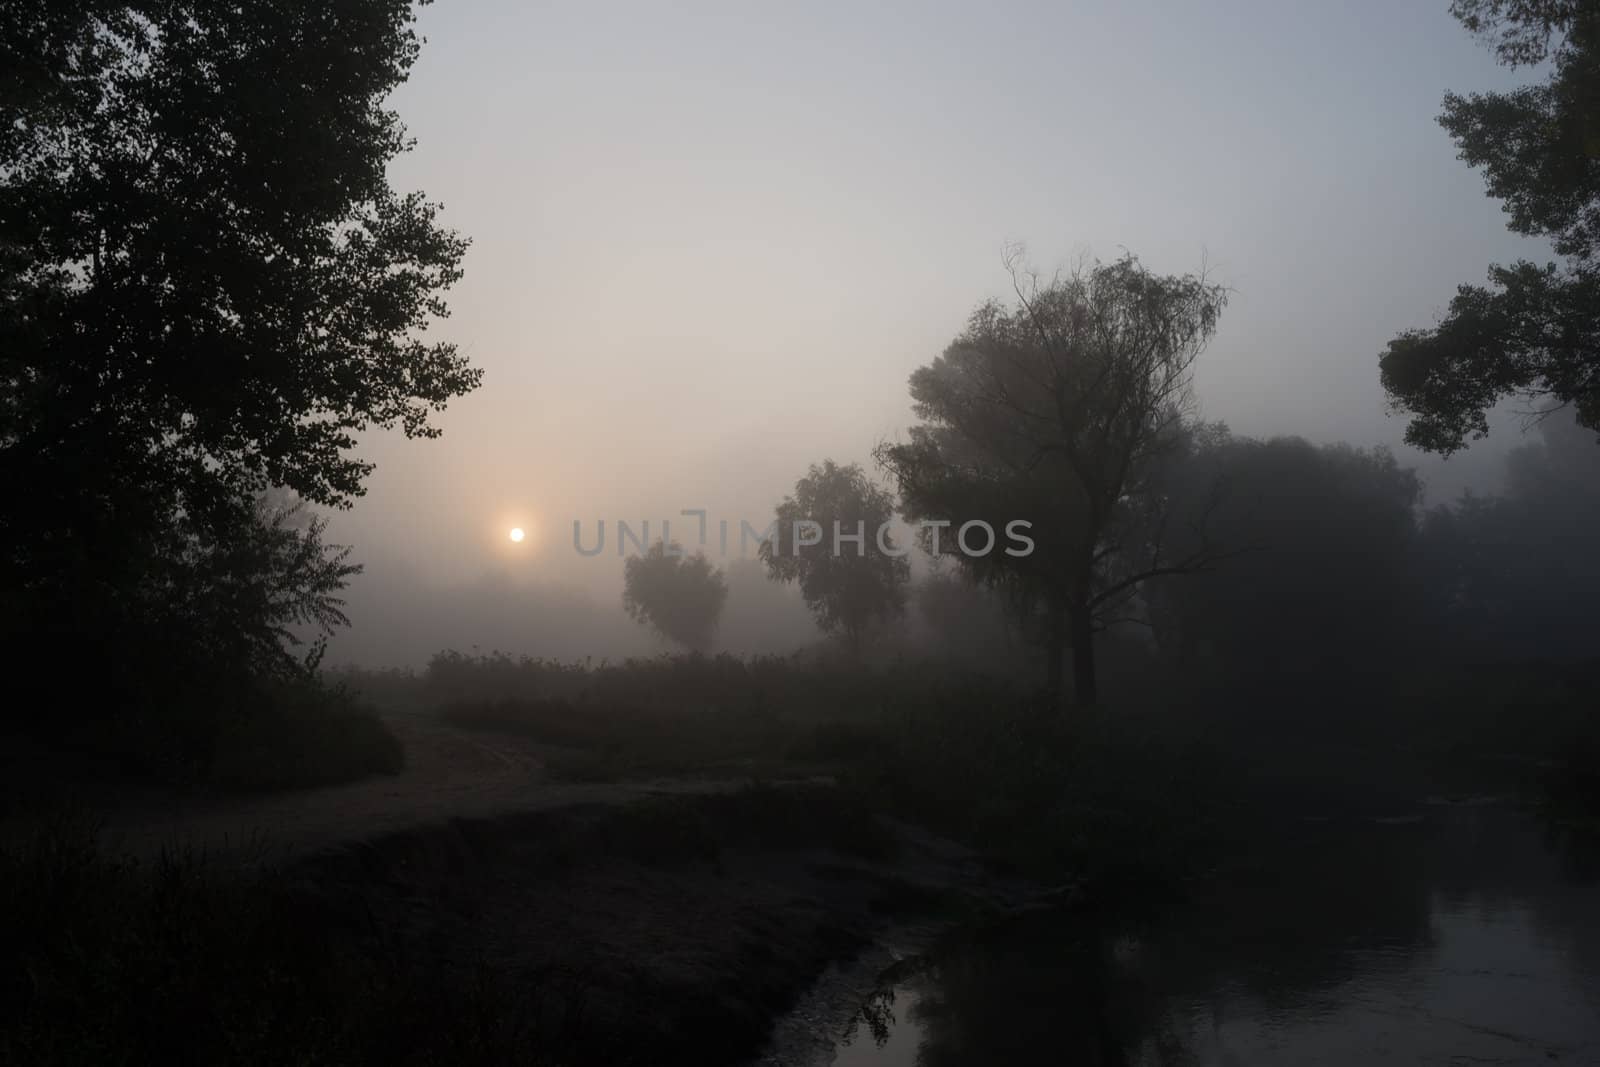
{"x":676,"y":714}
{"x":775,"y":684}
{"x":1570,"y":783}
{"x":303,"y":734}
{"x":226,"y":731}
{"x":1051,"y":794}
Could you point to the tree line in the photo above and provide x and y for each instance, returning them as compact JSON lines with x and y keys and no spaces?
{"x":1227,"y":557}
{"x":1072,"y":406}
{"x":209,"y":287}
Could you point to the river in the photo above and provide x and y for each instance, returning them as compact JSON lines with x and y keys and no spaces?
{"x":1452,"y":933}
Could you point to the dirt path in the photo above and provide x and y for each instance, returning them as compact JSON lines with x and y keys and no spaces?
{"x":449,"y":774}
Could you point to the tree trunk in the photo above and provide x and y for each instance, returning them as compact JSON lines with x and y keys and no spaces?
{"x":1055,"y":652}
{"x":1085,"y":689}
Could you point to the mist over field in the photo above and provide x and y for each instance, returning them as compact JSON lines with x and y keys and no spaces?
{"x":710,"y":246}
{"x":728,"y":534}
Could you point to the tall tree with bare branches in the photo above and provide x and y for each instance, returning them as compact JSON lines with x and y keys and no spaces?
{"x":1057,"y":410}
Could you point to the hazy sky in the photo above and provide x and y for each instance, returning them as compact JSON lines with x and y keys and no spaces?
{"x":710,"y":242}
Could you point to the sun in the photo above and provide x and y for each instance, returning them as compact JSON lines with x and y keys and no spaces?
{"x":517,"y":535}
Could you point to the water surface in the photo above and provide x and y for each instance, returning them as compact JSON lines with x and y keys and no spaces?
{"x":1454,"y":934}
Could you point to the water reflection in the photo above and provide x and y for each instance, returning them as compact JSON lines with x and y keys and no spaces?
{"x":1461,"y":935}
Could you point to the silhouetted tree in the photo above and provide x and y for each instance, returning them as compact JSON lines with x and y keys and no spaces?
{"x":1320,"y":581}
{"x":966,"y":621}
{"x":1059,"y":410}
{"x":680,"y":596}
{"x":850,"y":584}
{"x":1516,"y":575}
{"x":204,"y":257}
{"x":207,"y":287}
{"x":1535,"y":331}
{"x":250,"y":594}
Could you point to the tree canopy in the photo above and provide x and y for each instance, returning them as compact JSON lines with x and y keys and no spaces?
{"x":208,"y":288}
{"x":1534,"y":332}
{"x":679,"y":595}
{"x":851,"y":585}
{"x":1516,"y":574}
{"x":1059,"y":410}
{"x":207,"y":284}
{"x":1321,"y":571}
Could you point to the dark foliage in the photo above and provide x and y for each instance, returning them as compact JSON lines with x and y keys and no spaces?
{"x":1059,"y":411}
{"x":1533,"y":332}
{"x":1320,"y":579}
{"x":207,"y":278}
{"x":305,"y":733}
{"x":679,"y":595}
{"x":207,"y":287}
{"x":1514,"y":576}
{"x":849,"y":585}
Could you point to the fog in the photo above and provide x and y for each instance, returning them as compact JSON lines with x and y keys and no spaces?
{"x":709,"y":246}
{"x":721,"y":534}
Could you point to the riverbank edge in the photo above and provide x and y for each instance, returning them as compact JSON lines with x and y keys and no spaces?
{"x":842,"y":880}
{"x":676,"y":928}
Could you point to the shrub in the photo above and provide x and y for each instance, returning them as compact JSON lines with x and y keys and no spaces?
{"x":1048,"y":794}
{"x":303,"y":734}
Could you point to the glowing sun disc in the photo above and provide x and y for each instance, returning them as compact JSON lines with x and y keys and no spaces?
{"x":517,"y":534}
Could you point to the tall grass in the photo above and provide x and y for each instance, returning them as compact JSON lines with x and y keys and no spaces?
{"x":678,"y":714}
{"x":758,"y":683}
{"x":308,"y":734}
{"x":1049,"y":792}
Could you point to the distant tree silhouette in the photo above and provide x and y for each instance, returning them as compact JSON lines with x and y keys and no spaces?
{"x":680,"y":596}
{"x":966,"y":621}
{"x":1060,"y":410}
{"x":1321,"y":580}
{"x":1515,"y":575}
{"x":850,"y":589}
{"x":1534,"y":332}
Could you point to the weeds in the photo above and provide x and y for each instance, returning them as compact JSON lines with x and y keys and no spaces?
{"x":1044,"y":791}
{"x":310,"y":735}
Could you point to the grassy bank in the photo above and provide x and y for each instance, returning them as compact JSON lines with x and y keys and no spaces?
{"x":1151,"y":790}
{"x":1046,"y":793}
{"x":669,"y":932}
